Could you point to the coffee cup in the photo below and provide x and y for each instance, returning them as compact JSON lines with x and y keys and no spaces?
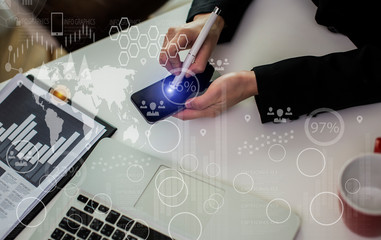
{"x":360,"y":193}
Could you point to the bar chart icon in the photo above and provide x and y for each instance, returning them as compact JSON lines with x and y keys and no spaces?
{"x":27,"y":2}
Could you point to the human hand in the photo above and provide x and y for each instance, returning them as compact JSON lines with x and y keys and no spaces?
{"x":223,"y":93}
{"x":185,"y":36}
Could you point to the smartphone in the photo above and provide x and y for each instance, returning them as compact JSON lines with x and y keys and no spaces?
{"x":160,"y":100}
{"x":56,"y":23}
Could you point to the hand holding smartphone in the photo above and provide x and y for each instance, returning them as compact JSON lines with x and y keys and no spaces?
{"x":160,"y":100}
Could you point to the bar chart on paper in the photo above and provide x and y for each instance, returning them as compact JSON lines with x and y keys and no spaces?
{"x":36,"y":135}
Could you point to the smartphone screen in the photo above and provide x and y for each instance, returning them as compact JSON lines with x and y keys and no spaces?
{"x":161,"y":100}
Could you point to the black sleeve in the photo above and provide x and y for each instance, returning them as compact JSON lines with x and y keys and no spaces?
{"x":336,"y":81}
{"x":231,"y":11}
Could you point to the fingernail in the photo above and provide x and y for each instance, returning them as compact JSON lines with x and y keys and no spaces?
{"x":188,"y":104}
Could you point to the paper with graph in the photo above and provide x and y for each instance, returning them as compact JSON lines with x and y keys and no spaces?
{"x":41,"y":138}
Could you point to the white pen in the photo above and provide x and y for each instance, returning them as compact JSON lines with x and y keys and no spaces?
{"x":196,"y":47}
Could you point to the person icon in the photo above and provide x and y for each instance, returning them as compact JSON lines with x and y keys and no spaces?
{"x":20,"y":163}
{"x":152,"y":106}
{"x":11,"y":155}
{"x":143,"y":106}
{"x":288,"y":112}
{"x":270,"y":112}
{"x":161,"y":106}
{"x":219,"y":65}
{"x":226,"y":62}
{"x":279,"y":119}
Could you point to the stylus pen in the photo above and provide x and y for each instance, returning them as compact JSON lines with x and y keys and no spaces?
{"x":196,"y":46}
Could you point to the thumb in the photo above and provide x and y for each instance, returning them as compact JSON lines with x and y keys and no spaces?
{"x":201,"y":102}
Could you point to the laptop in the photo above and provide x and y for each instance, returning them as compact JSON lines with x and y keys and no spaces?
{"x":122,"y":193}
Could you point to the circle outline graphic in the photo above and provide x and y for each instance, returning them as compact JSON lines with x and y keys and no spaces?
{"x":317,"y":174}
{"x":267,"y":211}
{"x":28,"y":225}
{"x":326,"y":143}
{"x":247,"y":191}
{"x":342,"y":209}
{"x":189,"y":213}
{"x":284,"y":155}
{"x":168,"y":151}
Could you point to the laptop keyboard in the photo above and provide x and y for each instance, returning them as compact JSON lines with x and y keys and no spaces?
{"x":91,"y":220}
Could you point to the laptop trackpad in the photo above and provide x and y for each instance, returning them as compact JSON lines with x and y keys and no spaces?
{"x":181,"y":202}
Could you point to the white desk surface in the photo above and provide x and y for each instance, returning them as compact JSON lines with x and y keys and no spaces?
{"x":270,"y":31}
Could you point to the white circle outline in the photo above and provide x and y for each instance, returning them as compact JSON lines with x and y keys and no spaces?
{"x":168,"y":169}
{"x":144,"y":223}
{"x":168,"y":151}
{"x":217,"y":167}
{"x":28,"y":225}
{"x":138,"y":166}
{"x":304,"y":174}
{"x":267,"y":211}
{"x":71,"y":216}
{"x":272,"y":159}
{"x":74,"y":186}
{"x":174,"y":195}
{"x":342,"y":209}
{"x":14,"y":145}
{"x":192,"y":75}
{"x":345,"y":186}
{"x":215,"y":209}
{"x":177,"y":214}
{"x":252,"y":183}
{"x":182,"y":161}
{"x":324,"y":110}
{"x":54,"y":185}
{"x":179,"y":204}
{"x":222,"y":199}
{"x":96,"y":200}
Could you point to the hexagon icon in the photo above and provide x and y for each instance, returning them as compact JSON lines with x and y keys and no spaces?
{"x":124,"y":24}
{"x":123,"y":58}
{"x":123,"y":41}
{"x":182,"y":41}
{"x":166,"y":58}
{"x":153,"y":50}
{"x":113,"y":33}
{"x":153,"y":32}
{"x":143,"y":41}
{"x":134,"y":32}
{"x":133,"y":50}
{"x":161,"y":39}
{"x":171,"y":45}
